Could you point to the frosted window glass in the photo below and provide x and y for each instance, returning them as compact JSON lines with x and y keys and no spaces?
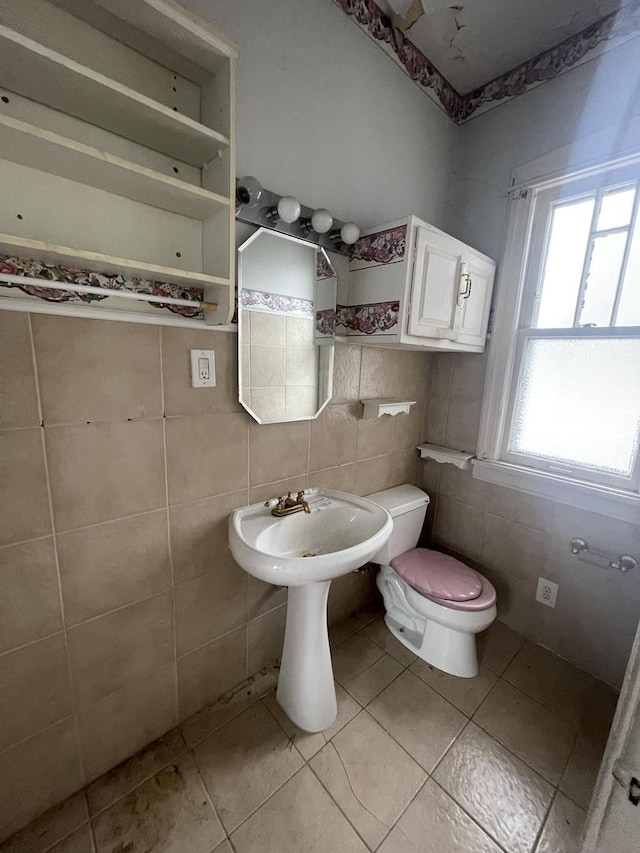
{"x":629,"y":307}
{"x":566,"y":248}
{"x":602,"y":279}
{"x":578,"y":402}
{"x":616,"y":208}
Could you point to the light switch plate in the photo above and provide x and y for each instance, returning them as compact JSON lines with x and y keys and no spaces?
{"x":203,"y":368}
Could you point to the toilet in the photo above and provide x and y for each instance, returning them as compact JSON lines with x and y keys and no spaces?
{"x":435,"y":605}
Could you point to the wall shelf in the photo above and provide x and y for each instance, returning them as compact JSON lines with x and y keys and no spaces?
{"x":379,"y":406}
{"x":446,"y":455}
{"x":50,"y":253}
{"x":42,"y":74}
{"x":40,"y":149}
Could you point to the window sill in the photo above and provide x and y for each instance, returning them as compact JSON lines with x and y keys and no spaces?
{"x":613,"y":503}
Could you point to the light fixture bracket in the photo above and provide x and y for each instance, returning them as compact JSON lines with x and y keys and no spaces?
{"x":258,"y":215}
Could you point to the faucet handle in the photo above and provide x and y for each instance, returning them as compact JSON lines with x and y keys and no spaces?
{"x":300,"y":495}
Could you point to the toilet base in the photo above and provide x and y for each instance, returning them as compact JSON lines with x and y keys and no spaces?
{"x":446,"y":641}
{"x":451,"y":651}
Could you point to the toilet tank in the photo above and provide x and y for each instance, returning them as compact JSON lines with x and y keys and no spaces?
{"x":407,"y":506}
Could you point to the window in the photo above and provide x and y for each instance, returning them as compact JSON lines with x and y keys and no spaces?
{"x":563,"y":394}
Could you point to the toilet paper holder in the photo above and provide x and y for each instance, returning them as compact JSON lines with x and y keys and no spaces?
{"x":622,"y":562}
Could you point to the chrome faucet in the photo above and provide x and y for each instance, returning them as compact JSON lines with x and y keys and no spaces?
{"x":287,"y":506}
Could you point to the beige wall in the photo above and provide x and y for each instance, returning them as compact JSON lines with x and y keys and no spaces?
{"x":121,"y":609}
{"x":513,"y":538}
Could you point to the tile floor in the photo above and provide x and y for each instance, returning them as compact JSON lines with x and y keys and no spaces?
{"x":417,"y":762}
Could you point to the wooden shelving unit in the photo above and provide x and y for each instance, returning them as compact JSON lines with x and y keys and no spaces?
{"x":70,"y":203}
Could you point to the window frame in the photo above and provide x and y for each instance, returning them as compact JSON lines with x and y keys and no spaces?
{"x":527,"y":233}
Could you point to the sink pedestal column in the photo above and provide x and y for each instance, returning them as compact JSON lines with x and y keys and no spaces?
{"x":306,"y":691}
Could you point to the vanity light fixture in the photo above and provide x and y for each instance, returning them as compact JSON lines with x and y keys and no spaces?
{"x":348,"y":234}
{"x":258,"y":206}
{"x":287,"y":210}
{"x":320,"y":221}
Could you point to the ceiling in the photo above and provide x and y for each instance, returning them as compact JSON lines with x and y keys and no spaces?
{"x":474,"y":41}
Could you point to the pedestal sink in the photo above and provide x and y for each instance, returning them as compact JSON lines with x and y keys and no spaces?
{"x":304,"y":552}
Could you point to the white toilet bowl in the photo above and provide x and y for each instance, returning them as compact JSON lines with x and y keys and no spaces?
{"x":434,"y":604}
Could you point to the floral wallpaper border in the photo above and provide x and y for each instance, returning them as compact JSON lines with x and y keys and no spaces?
{"x":113,"y":281}
{"x":559,"y":59}
{"x":275,"y":301}
{"x":370,"y":318}
{"x":326,"y":321}
{"x":323,"y":267}
{"x":383,"y":247}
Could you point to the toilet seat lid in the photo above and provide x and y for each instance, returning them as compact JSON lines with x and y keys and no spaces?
{"x":436,"y":575}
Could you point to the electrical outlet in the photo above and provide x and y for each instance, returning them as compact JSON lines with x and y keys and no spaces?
{"x":203,"y":368}
{"x":547,"y":592}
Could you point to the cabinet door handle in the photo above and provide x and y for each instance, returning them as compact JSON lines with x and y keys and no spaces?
{"x":466,"y":293}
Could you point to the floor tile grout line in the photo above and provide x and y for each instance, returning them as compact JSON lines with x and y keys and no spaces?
{"x":373,"y":698}
{"x":265,"y":801}
{"x":208,"y":796}
{"x":451,"y":745}
{"x":55,"y":843}
{"x":517,"y":757}
{"x":142,"y":781}
{"x":577,"y":726}
{"x":556,"y":787}
{"x":406,"y":808}
{"x":470,"y":816}
{"x":544,"y":822}
{"x":576,"y":733}
{"x":460,"y":804}
{"x":394,"y":739}
{"x":339,"y":806}
{"x":350,"y":783}
{"x":333,"y":798}
{"x":362,"y":672}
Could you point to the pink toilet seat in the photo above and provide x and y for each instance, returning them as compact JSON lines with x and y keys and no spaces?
{"x":444,"y":579}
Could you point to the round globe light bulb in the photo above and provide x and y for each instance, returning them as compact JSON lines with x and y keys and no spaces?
{"x":289,"y":209}
{"x":249,"y":191}
{"x":349,"y":233}
{"x":321,"y":220}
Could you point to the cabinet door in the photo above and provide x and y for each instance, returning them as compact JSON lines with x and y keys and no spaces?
{"x":477,"y":287}
{"x":435,"y":286}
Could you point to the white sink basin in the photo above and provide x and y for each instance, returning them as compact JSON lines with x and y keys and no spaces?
{"x":341,"y":533}
{"x":305,"y":551}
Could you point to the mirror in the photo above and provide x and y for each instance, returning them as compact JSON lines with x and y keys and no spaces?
{"x":286,"y":327}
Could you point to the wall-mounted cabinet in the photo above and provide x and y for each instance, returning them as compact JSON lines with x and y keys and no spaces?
{"x":117,"y":142}
{"x":412,"y":285}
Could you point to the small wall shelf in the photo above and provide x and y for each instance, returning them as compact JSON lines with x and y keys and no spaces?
{"x":460,"y":458}
{"x":376,"y":408}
